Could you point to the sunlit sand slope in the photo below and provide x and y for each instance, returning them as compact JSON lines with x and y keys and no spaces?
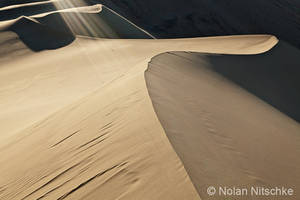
{"x":37,"y":83}
{"x":77,"y":122}
{"x":216,"y":111}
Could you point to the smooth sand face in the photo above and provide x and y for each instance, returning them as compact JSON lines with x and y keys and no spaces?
{"x":226,"y":136}
{"x":75,"y":69}
{"x":77,"y":122}
{"x":37,"y":91}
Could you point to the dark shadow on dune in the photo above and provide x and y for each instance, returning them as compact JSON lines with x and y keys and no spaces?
{"x":120,"y":26}
{"x":200,"y":18}
{"x":224,"y":136}
{"x":104,"y":24}
{"x":40,"y":37}
{"x":272,"y":76}
{"x":57,"y":30}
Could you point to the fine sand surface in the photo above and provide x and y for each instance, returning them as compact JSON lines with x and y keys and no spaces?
{"x":225,"y":135}
{"x":77,"y":122}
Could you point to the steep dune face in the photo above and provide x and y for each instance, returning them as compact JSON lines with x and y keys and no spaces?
{"x":35,"y":85}
{"x":76,"y":120}
{"x":226,"y":136}
{"x":275,"y":79}
{"x":101,"y":146}
{"x":208,"y":18}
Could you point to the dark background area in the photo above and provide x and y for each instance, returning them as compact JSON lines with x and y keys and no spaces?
{"x":194,"y":18}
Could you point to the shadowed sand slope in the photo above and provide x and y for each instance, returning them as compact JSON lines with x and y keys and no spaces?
{"x":225,"y":135}
{"x":275,"y":79}
{"x":77,"y":122}
{"x":39,"y":36}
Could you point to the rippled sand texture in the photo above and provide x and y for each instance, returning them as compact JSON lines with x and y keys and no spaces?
{"x":77,"y":121}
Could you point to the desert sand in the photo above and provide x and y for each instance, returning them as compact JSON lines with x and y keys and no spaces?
{"x":77,"y":120}
{"x":211,"y":109}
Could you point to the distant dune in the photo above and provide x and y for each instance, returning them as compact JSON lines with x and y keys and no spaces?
{"x":198,"y":18}
{"x":58,"y":28}
{"x":93,"y":107}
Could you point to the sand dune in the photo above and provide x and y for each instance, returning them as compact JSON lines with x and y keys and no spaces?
{"x":19,"y":81}
{"x":135,"y":144}
{"x":200,"y":18}
{"x":225,"y":135}
{"x":58,"y":28}
{"x":77,"y":121}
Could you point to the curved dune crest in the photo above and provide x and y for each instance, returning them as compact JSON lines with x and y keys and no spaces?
{"x":224,"y":135}
{"x":103,"y":136}
{"x":77,"y":121}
